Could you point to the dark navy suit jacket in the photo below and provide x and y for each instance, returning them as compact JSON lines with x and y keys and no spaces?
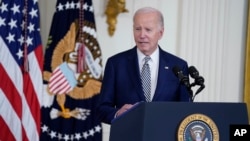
{"x":122,"y":85}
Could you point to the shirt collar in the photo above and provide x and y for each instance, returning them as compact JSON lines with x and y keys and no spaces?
{"x":154,"y":56}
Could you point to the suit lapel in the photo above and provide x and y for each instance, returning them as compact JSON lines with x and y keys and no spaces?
{"x":163,"y":74}
{"x":134,"y":72}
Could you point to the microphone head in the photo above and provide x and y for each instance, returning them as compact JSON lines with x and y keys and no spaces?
{"x":176,"y":70}
{"x":193,"y":72}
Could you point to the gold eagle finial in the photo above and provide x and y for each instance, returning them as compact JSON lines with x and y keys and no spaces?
{"x":114,"y":8}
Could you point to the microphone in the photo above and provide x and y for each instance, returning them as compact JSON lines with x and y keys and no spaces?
{"x":199,"y":80}
{"x":183,"y":79}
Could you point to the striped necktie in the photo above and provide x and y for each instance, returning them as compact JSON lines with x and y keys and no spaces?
{"x":146,"y":79}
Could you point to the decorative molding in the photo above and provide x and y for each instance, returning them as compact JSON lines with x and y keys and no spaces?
{"x":113,"y":9}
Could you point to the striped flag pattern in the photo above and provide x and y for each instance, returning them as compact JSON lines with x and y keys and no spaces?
{"x":20,"y":87}
{"x":62,"y":80}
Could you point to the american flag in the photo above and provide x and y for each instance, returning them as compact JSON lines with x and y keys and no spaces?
{"x":20,"y":88}
{"x":62,"y":80}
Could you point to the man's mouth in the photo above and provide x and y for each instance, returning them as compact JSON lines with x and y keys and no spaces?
{"x":143,"y":42}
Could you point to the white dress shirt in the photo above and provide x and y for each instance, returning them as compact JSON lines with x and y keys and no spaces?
{"x":153,"y":64}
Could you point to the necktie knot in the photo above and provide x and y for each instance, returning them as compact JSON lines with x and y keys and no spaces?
{"x":147,"y":58}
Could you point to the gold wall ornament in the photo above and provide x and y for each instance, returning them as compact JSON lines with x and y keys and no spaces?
{"x":113,"y":9}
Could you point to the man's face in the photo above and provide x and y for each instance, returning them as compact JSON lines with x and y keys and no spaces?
{"x":147,"y":31}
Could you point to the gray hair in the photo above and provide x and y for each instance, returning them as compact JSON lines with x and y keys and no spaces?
{"x":149,"y":10}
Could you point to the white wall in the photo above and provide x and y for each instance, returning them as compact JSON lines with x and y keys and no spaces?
{"x":212,"y":37}
{"x":209,"y":34}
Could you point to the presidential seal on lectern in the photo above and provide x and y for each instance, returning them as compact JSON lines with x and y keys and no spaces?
{"x":198,"y":127}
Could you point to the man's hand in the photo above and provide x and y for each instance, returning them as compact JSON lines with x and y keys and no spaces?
{"x":123,"y":109}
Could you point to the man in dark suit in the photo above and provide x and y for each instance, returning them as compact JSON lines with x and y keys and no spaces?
{"x":122,"y":85}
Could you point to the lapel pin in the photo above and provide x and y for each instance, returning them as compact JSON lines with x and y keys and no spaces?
{"x":166,"y":67}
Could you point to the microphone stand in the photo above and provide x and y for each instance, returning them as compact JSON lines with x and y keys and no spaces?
{"x":198,"y":80}
{"x":185,"y":80}
{"x":191,"y":97}
{"x":202,"y":86}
